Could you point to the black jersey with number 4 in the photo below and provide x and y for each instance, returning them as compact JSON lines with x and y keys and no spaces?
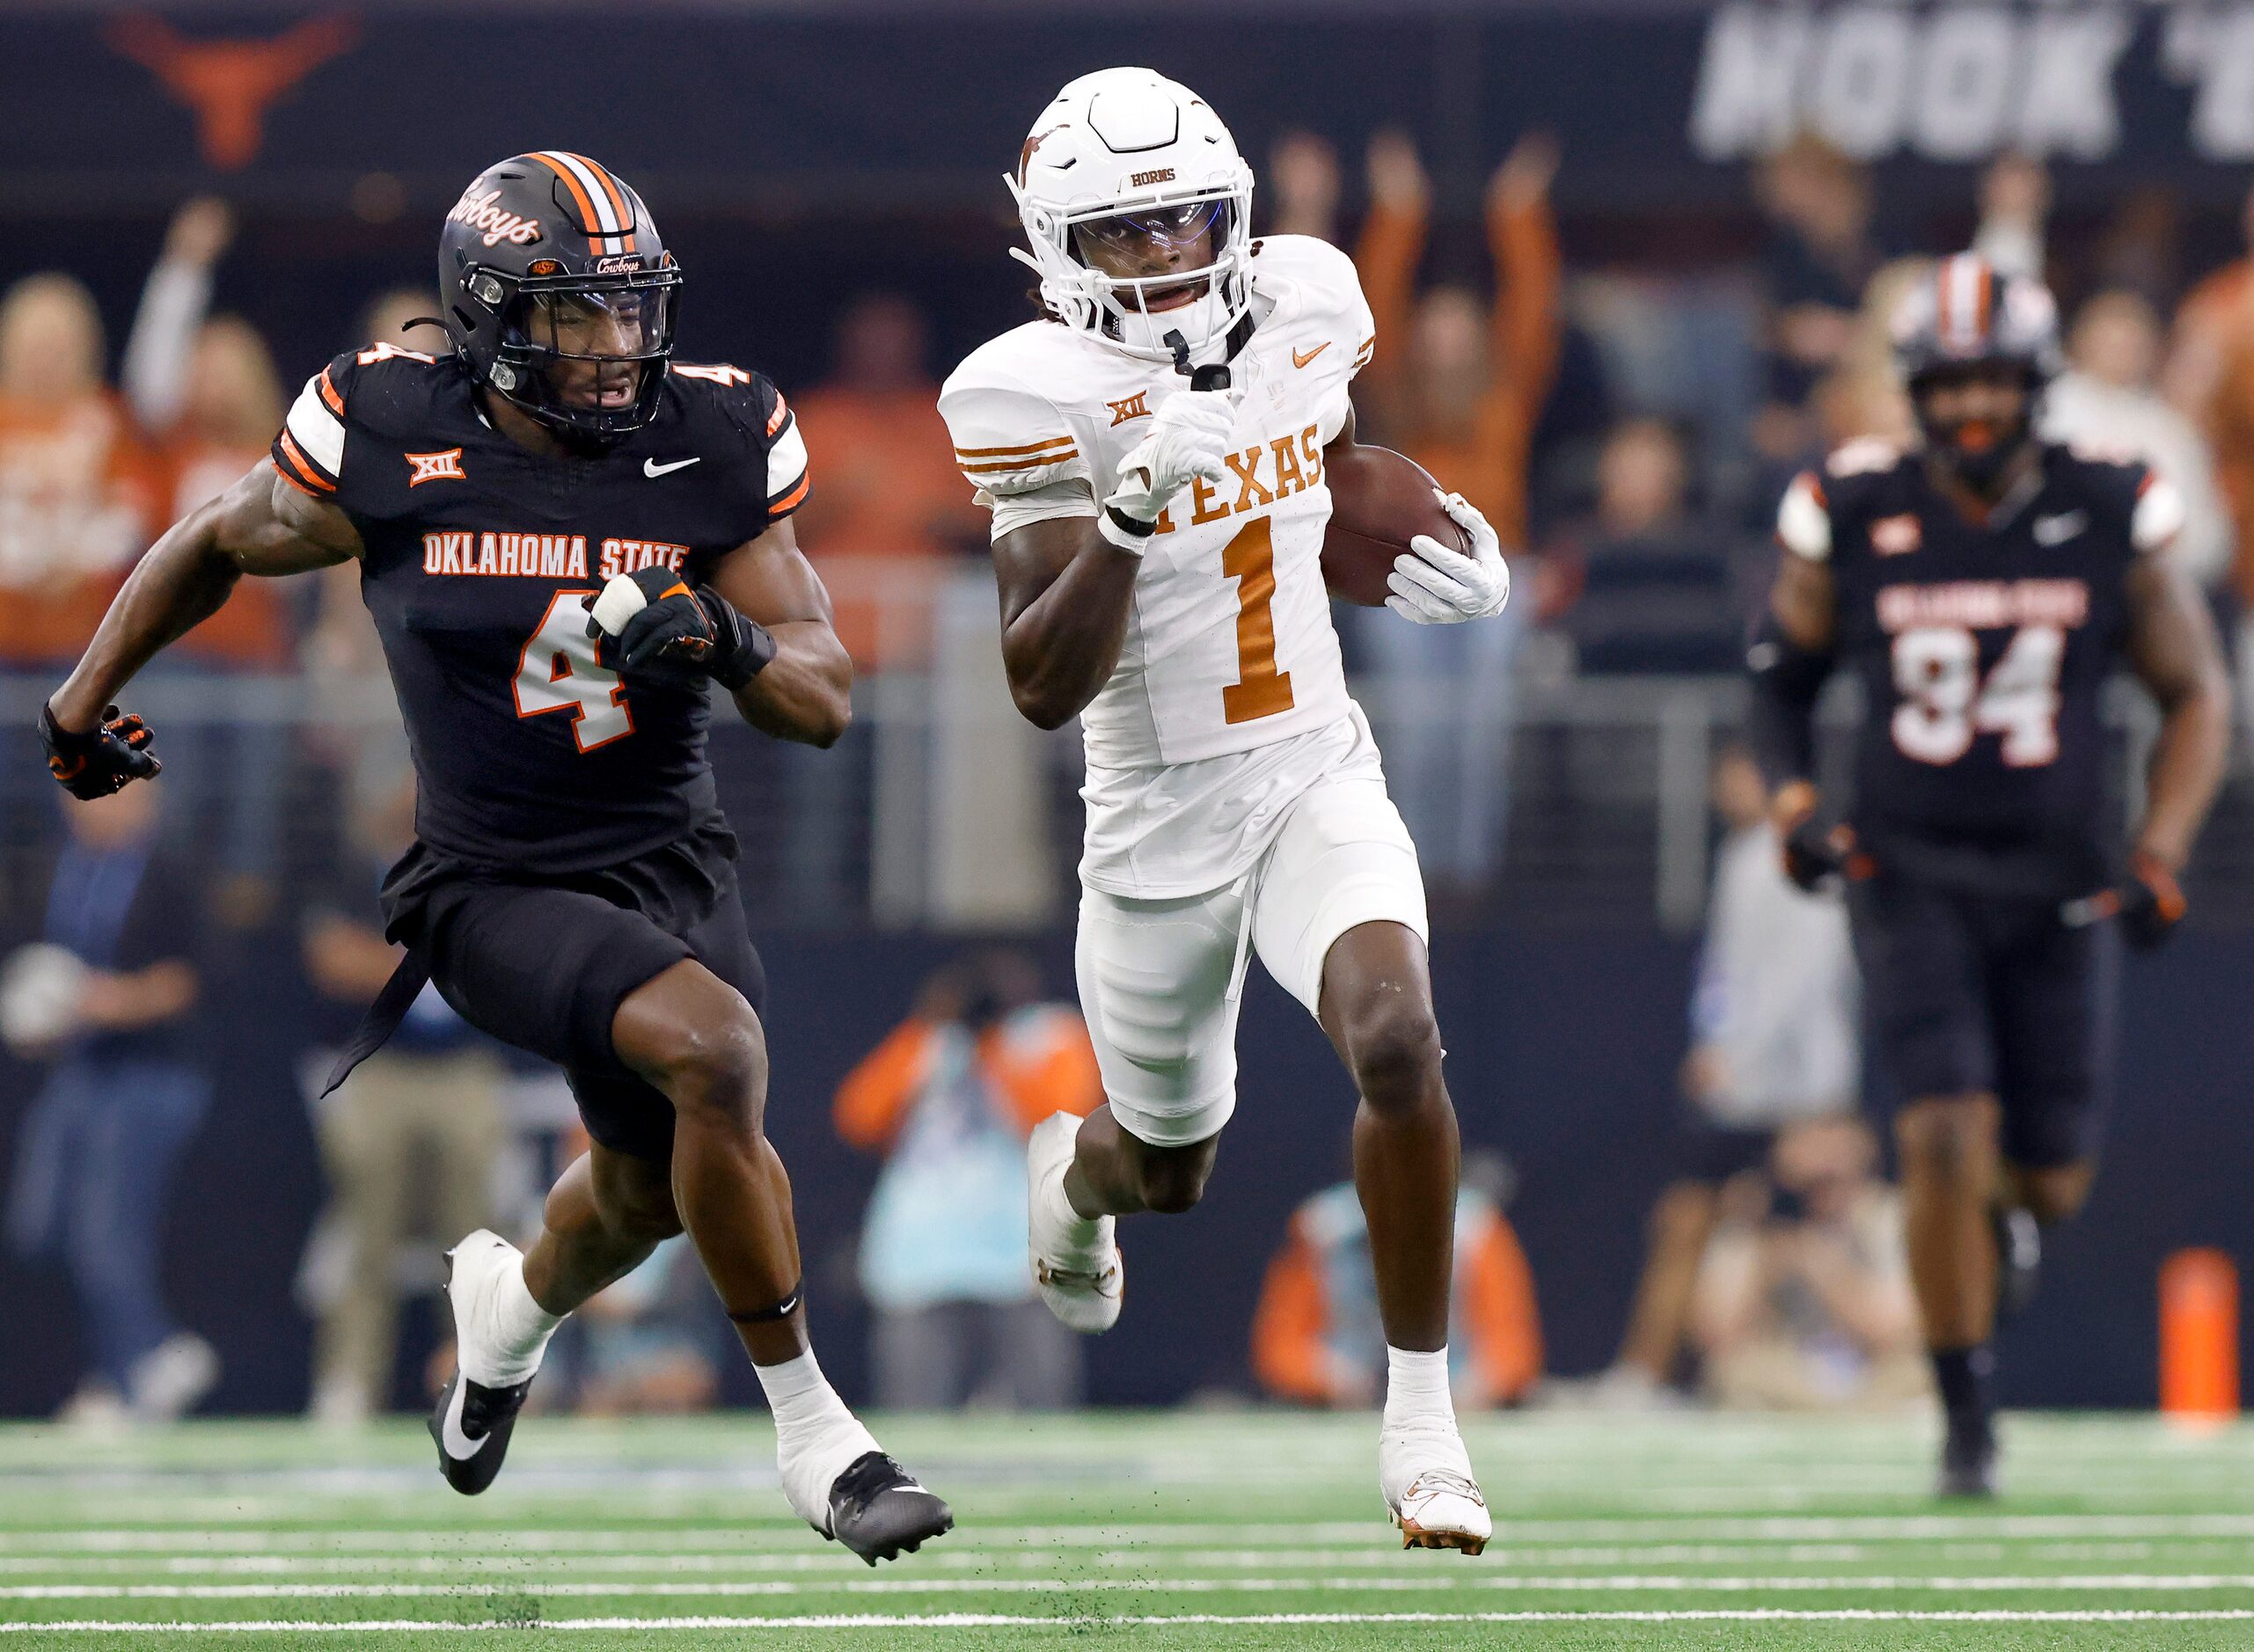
{"x":1983,"y":649}
{"x":480,"y":558}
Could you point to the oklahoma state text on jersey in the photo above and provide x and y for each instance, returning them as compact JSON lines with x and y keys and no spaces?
{"x":480,"y":558}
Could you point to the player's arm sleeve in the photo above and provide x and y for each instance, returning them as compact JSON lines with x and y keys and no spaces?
{"x":1020,"y":452}
{"x":310,"y":450}
{"x":789,"y":474}
{"x":1786,"y":675}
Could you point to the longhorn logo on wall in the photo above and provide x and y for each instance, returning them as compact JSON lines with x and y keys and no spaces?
{"x":1960,"y":83}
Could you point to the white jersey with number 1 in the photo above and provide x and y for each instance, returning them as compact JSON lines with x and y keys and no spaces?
{"x":1229,"y":699}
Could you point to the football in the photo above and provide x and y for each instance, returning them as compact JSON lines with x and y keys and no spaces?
{"x":1379,"y":500}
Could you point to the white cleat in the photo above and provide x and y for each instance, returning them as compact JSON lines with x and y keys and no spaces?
{"x":1083,"y":1284}
{"x":1425,"y":1474}
{"x":477,"y":1413}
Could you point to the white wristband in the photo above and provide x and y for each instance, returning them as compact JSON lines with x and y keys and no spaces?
{"x":1107,"y":524}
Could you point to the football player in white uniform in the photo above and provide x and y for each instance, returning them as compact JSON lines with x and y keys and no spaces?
{"x":1153,"y":451}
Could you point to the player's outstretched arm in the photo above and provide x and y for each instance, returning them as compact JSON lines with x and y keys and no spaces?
{"x":805,"y":692}
{"x":261,"y":525}
{"x":2175,"y":652}
{"x":1066,"y":593}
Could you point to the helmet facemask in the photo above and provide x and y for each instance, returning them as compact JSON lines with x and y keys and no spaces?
{"x":1977,"y":450}
{"x":584,"y":355}
{"x":1197,"y":243}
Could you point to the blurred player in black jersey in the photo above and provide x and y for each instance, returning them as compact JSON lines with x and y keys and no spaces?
{"x":1984,"y":590}
{"x":564,"y":538}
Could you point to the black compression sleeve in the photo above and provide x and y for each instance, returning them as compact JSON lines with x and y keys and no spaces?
{"x":1786,"y":680}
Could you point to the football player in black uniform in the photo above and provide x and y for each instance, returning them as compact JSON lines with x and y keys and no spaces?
{"x":1983,"y":590}
{"x":571,"y":889}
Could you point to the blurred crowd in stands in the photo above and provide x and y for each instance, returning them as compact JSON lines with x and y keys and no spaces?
{"x":1628,"y":430}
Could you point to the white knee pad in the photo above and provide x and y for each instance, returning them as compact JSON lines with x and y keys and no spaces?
{"x":1160,"y":987}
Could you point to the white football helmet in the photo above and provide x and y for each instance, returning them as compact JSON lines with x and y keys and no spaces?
{"x":1130,"y":145}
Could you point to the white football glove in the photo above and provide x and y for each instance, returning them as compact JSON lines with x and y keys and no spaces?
{"x":1191,"y":436}
{"x":1432,"y":585}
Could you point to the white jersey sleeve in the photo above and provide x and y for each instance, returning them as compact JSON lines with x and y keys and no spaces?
{"x":1015,"y":447}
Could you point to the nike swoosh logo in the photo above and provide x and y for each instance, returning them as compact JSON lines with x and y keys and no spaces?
{"x":1301,"y":361}
{"x":2059,"y":530}
{"x":459,"y":1446}
{"x":651,"y":467}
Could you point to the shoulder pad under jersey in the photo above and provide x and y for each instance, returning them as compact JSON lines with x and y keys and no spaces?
{"x":1006,"y":408}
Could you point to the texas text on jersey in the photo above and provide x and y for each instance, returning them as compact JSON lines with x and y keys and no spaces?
{"x":1983,"y":649}
{"x":479,"y":557}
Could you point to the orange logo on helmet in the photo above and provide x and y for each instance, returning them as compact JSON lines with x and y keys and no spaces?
{"x":1025,"y":154}
{"x":544,"y":267}
{"x":436,"y":467}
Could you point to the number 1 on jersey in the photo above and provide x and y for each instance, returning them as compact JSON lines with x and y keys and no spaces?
{"x":1260,"y":690}
{"x":560,"y":673}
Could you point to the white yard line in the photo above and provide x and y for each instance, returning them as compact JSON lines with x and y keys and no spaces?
{"x":998,"y":1620}
{"x":2189,"y":1583}
{"x":502,"y":1539}
{"x":1383,"y":1552}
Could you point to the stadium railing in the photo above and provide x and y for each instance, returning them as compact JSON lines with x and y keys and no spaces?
{"x":943,"y":809}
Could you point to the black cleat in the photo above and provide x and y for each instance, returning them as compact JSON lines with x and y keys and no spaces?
{"x":2019,"y":1260}
{"x":471,"y":1425}
{"x":878,"y":1511}
{"x":1968,"y":1461}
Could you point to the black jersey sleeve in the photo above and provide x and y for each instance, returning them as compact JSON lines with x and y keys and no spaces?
{"x":2131,"y":501}
{"x":333,"y":443}
{"x":755,"y":434}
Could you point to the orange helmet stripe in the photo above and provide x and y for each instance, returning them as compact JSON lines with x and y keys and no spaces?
{"x":614,"y":190}
{"x":605,"y":216}
{"x":589,"y":223}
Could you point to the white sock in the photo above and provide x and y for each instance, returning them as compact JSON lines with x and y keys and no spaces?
{"x":1416,"y":1388}
{"x":520,"y":1329}
{"x":799,"y":1394}
{"x":1076,"y":1233}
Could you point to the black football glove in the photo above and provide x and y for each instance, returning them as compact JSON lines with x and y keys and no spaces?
{"x":1814,"y":854}
{"x":108,"y":758}
{"x":2147,"y":899}
{"x":675,"y":633}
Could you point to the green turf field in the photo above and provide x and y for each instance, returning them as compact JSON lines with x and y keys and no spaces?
{"x":1205,"y":1530}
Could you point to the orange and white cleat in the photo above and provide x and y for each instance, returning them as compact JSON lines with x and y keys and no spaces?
{"x":1425,"y":1474}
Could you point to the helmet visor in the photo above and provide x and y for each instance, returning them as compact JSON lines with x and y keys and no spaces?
{"x":593,"y":345}
{"x":1159,"y":254}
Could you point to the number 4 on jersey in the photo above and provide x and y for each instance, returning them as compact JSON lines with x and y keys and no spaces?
{"x":559,"y":672}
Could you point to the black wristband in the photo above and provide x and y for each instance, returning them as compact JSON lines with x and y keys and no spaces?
{"x":755,"y":654}
{"x":1129,"y":525}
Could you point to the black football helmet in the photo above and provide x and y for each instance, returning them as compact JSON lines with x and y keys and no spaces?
{"x":1965,"y":315}
{"x":559,"y":293}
